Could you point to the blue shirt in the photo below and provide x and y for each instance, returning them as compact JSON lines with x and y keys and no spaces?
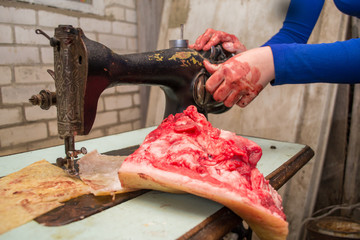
{"x":298,"y":62}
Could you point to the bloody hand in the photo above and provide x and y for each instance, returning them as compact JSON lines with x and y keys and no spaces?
{"x":212,"y":37}
{"x":240,"y":79}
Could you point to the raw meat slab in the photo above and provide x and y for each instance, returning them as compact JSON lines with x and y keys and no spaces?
{"x":186,"y":154}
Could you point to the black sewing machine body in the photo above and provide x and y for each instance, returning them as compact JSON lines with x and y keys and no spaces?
{"x":83,"y":69}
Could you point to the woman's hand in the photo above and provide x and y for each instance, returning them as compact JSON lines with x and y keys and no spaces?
{"x":241,"y":78}
{"x":212,"y":37}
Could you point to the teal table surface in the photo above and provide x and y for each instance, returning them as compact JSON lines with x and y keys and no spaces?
{"x":153,"y":215}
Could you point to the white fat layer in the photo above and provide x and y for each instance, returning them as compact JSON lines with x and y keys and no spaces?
{"x":191,"y":185}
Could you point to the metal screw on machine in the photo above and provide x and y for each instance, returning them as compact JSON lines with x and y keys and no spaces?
{"x":71,"y":154}
{"x":45,"y":99}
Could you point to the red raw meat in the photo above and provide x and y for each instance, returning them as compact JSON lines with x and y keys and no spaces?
{"x":186,"y":154}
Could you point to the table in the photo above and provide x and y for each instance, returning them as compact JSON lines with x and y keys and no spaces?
{"x":153,"y":214}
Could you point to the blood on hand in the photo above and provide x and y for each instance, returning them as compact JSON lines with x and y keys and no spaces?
{"x":212,"y":37}
{"x":233,"y":82}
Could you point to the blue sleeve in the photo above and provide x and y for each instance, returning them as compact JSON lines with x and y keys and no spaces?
{"x":300,"y":20}
{"x":337,"y":62}
{"x":349,"y":7}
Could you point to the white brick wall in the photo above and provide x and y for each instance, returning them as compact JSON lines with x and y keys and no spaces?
{"x":33,"y":74}
{"x":10,"y":116}
{"x":26,"y":35}
{"x":113,"y":42}
{"x":126,"y":29}
{"x":127,"y":88}
{"x":119,"y":128}
{"x":50,"y":19}
{"x":132,"y":43}
{"x":130,"y":15}
{"x":117,"y":102}
{"x":105,"y":119}
{"x":129,"y":114}
{"x":124,"y":3}
{"x":19,"y":94}
{"x":19,"y":55}
{"x":96,"y":25}
{"x":47,"y":55}
{"x":116,"y":12}
{"x":25,"y":57}
{"x":6,"y":34}
{"x":22,"y":134}
{"x":17,"y":15}
{"x":136,"y":99}
{"x":5,"y":75}
{"x":34,"y":113}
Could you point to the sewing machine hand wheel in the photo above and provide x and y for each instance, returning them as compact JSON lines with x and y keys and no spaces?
{"x":201,"y":96}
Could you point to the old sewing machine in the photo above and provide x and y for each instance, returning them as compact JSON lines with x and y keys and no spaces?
{"x":82,"y":70}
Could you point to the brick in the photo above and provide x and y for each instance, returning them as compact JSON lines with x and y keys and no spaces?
{"x":33,"y":74}
{"x":47,"y":55}
{"x":100,"y":106}
{"x":127,"y":88}
{"x":137,"y":124}
{"x":48,"y":142}
{"x":91,"y":36}
{"x":35,"y":113}
{"x":108,"y":91}
{"x":105,"y":118}
{"x":17,"y":15}
{"x":136,"y":99}
{"x":116,"y":12}
{"x":51,"y":19}
{"x":27,"y":35}
{"x":119,"y":129}
{"x":126,"y":29}
{"x":19,"y":55}
{"x":95,"y":25}
{"x":93,"y":134}
{"x":10,"y":116}
{"x":5,"y":75}
{"x":130,"y":15}
{"x":21,"y":94}
{"x":113,"y":42}
{"x":132,"y":44}
{"x":130,"y":114}
{"x":117,"y":102}
{"x":53,"y":128}
{"x":31,"y":146}
{"x":5,"y":34}
{"x":126,"y":3}
{"x":22,"y":134}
